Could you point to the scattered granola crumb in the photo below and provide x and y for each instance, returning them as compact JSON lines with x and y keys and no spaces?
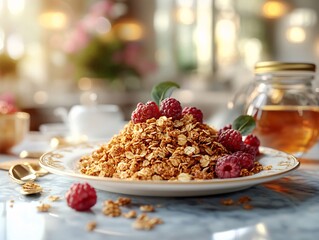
{"x":143,"y":222}
{"x":90,"y":226}
{"x":43,"y":207}
{"x":244,"y":199}
{"x":147,"y":208}
{"x":227,"y":202}
{"x":122,"y":201}
{"x":111,"y":209}
{"x":54,"y":198}
{"x":130,"y":214}
{"x":247,"y":206}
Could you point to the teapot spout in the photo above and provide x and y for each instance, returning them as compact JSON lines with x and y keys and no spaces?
{"x":62,"y":113}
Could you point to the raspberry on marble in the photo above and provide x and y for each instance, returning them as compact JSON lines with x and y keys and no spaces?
{"x":81,"y":196}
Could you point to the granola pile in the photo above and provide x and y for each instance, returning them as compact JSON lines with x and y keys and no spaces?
{"x":158,"y":149}
{"x":164,"y":141}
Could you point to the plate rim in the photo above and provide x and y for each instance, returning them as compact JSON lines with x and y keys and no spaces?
{"x":214,"y":181}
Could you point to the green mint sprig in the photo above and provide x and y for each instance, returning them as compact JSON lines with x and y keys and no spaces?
{"x":163,"y":90}
{"x":245,"y":124}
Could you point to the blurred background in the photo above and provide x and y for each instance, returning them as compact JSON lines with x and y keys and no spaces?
{"x":56,"y":53}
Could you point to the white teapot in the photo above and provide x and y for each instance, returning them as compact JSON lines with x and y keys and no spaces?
{"x":97,"y":121}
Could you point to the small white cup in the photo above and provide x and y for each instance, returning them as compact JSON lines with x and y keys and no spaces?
{"x":95,"y":121}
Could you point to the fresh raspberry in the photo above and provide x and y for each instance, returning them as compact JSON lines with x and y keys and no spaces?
{"x":246,"y":160}
{"x":253,"y":142}
{"x":170,"y":107}
{"x":228,"y":166}
{"x":145,"y":111}
{"x":250,"y":149}
{"x":81,"y":196}
{"x":231,"y":139}
{"x":228,"y":126}
{"x":197,"y":113}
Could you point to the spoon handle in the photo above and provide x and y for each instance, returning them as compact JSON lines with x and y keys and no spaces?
{"x":6,"y":165}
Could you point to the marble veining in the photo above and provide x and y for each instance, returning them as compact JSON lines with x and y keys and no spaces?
{"x":287,"y":208}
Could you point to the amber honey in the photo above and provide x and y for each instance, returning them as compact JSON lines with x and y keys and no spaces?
{"x":293,"y":129}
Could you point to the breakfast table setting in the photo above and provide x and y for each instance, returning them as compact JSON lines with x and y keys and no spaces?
{"x":286,"y":207}
{"x":81,"y":184}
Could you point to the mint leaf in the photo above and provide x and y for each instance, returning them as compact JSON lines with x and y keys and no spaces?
{"x":163,"y":90}
{"x":245,"y":124}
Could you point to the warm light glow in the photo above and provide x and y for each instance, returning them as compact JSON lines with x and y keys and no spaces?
{"x":225,"y":29}
{"x":15,"y":46}
{"x":16,"y":7}
{"x":185,"y":15}
{"x":251,"y":50}
{"x":226,"y":40}
{"x":129,"y":30}
{"x":103,"y":25}
{"x":274,"y":9}
{"x":303,"y":17}
{"x":53,"y":20}
{"x":296,"y":34}
{"x":161,"y":21}
{"x":1,"y":40}
{"x":203,"y":35}
{"x":40,"y":97}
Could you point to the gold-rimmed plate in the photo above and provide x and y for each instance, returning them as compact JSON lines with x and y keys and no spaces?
{"x":64,"y":161}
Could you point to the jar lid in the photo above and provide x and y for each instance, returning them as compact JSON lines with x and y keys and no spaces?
{"x":273,"y":66}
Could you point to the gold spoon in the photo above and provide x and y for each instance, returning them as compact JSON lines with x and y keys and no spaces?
{"x":21,"y":174}
{"x":36,"y":169}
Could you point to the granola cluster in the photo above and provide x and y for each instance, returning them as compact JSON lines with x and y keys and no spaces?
{"x":158,"y":149}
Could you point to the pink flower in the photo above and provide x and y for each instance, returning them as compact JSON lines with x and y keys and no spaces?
{"x":8,"y":98}
{"x":145,"y":67}
{"x":131,"y":53}
{"x":77,"y":40}
{"x":101,"y":8}
{"x":132,"y":56}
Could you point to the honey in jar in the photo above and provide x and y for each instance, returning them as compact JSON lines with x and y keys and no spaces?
{"x":285,"y":106}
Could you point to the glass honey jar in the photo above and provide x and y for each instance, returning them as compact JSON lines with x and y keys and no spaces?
{"x":285,"y":106}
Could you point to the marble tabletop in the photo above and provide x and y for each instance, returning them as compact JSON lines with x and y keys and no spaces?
{"x":287,"y":208}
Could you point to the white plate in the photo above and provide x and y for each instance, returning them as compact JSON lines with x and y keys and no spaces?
{"x":64,"y":162}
